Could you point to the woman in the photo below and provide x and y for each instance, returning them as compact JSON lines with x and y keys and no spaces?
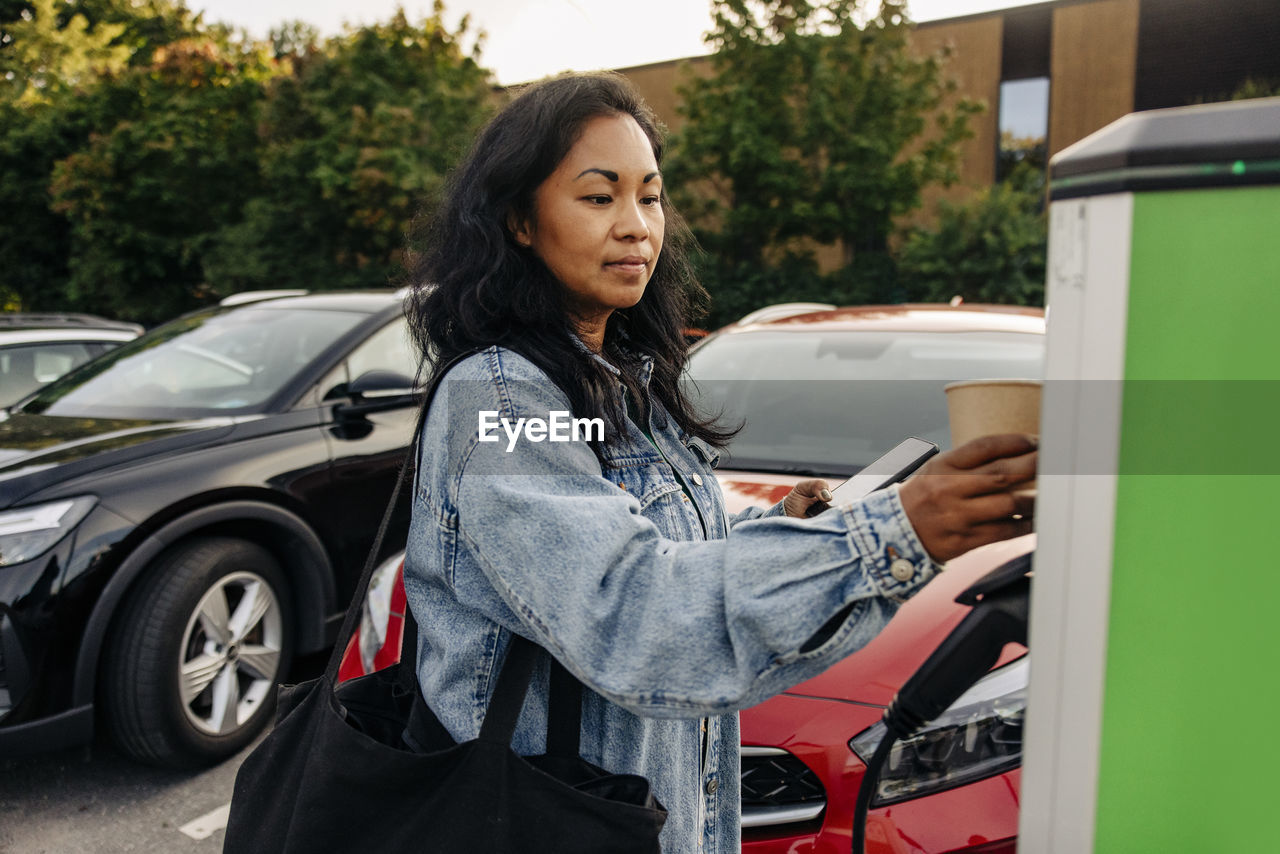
{"x":558,"y":258}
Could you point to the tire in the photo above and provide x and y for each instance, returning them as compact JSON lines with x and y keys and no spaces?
{"x":192,"y":665}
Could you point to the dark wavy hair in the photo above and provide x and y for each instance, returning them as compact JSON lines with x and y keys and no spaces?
{"x":474,"y":286}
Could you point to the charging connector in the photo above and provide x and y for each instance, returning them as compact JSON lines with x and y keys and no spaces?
{"x":1001,"y":602}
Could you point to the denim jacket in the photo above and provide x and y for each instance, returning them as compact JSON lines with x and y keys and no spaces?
{"x":673,"y":614}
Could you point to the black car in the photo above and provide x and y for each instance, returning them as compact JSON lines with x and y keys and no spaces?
{"x":182,"y":516}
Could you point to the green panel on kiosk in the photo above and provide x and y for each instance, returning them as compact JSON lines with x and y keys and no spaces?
{"x":1188,"y":759}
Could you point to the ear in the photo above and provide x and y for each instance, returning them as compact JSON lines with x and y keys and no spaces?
{"x":521,"y":229}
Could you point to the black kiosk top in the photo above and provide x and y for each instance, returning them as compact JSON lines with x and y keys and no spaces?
{"x":1230,"y":144}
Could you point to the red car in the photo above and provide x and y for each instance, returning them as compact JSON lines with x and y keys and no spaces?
{"x":823,"y":392}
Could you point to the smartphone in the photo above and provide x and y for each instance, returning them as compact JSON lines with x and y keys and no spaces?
{"x":907,"y":456}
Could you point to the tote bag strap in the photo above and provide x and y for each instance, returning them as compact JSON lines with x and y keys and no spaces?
{"x":362,"y":587}
{"x":508,"y":695}
{"x":564,"y":713}
{"x":565,"y":709}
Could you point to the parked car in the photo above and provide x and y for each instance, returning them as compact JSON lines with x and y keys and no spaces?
{"x":181,"y":517}
{"x":38,"y":348}
{"x":824,"y":392}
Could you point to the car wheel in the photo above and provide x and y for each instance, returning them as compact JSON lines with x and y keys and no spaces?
{"x":193,"y":664}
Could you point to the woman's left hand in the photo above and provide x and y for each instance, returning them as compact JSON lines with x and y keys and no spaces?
{"x":805,"y":495}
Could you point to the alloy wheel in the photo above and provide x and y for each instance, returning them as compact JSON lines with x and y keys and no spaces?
{"x":230,"y":655}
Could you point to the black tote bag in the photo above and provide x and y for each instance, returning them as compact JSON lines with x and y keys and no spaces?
{"x":366,"y":766}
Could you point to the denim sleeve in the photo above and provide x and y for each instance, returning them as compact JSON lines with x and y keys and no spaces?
{"x":756,"y":513}
{"x":671,"y":628}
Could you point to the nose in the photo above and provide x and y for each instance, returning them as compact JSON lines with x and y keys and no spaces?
{"x":631,"y":223}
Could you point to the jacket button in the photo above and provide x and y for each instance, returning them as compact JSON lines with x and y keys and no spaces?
{"x":697,"y":480}
{"x":712,"y":785}
{"x":902,"y":569}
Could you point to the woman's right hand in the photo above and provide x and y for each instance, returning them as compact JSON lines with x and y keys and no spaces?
{"x":966,"y":497}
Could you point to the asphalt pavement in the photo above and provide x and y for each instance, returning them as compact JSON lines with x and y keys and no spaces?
{"x":92,"y":800}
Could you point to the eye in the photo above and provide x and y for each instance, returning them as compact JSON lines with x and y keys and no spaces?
{"x":597,"y":199}
{"x":652,"y":201}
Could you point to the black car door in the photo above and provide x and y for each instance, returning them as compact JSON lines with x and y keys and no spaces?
{"x":366,"y":450}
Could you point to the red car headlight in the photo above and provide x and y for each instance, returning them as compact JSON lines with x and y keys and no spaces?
{"x":377,"y":611}
{"x":979,"y":736}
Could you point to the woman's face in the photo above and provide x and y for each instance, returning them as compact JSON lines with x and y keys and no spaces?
{"x":598,"y":221}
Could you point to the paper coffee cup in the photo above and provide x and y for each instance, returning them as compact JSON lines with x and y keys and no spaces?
{"x":983,"y":407}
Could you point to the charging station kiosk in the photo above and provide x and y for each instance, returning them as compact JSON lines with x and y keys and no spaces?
{"x":1155,"y":609}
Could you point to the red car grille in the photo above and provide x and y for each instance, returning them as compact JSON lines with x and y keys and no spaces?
{"x":777,"y":788}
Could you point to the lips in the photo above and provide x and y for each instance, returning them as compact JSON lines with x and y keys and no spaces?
{"x":629,"y":264}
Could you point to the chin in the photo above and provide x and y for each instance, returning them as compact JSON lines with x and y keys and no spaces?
{"x":624,"y":298}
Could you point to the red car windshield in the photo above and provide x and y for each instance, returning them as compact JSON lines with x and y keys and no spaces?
{"x":831,"y":402}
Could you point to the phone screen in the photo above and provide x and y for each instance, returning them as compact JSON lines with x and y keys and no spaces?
{"x":907,"y":456}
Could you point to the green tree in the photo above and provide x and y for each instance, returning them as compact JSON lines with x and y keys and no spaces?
{"x":34,"y":240}
{"x":207,"y":163}
{"x":37,"y":133}
{"x":352,"y":143}
{"x":1260,"y":87}
{"x":991,"y":248}
{"x":172,"y":157}
{"x":49,"y":47}
{"x":817,"y":125}
{"x":1018,"y":151}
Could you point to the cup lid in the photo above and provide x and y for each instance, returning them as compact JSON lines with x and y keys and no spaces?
{"x":967,"y":383}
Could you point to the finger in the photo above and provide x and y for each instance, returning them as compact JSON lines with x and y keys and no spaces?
{"x":944,"y":547}
{"x":996,"y":507}
{"x":944,"y":485}
{"x":985,"y":449}
{"x":805,"y":498}
{"x":1005,"y":529}
{"x":1005,"y":473}
{"x":815,"y":508}
{"x":816,"y":489}
{"x":980,"y":535}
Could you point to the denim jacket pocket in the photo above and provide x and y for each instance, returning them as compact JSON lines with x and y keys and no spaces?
{"x":648,"y":480}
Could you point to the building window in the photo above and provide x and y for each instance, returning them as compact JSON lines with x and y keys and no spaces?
{"x":1024,"y":127}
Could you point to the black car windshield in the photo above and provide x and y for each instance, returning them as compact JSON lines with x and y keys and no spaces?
{"x":831,"y":402}
{"x":216,"y":362}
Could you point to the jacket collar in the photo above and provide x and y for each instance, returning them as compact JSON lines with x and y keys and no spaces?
{"x":646,"y":361}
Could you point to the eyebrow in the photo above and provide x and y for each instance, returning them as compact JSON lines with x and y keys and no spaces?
{"x":613,"y":176}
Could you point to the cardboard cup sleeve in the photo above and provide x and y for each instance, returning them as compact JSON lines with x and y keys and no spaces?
{"x":985,"y":407}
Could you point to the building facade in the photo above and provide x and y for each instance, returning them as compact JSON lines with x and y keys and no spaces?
{"x":1053,"y":73}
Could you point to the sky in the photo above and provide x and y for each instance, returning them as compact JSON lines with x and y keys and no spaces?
{"x":528,"y":39}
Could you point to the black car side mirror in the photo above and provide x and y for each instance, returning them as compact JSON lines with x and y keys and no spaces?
{"x":377,"y":391}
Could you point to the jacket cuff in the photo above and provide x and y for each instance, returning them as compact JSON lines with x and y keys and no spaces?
{"x":881,"y":532}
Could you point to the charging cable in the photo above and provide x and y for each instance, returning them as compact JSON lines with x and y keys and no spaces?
{"x":1001,"y":602}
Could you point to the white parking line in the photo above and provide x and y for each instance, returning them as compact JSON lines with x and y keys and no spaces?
{"x":207,"y":824}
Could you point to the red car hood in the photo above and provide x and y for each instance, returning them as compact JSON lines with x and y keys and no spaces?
{"x":874,"y":673}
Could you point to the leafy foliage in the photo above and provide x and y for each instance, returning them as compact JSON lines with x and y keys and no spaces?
{"x":34,"y":240}
{"x":52,"y":101}
{"x":150,"y":163}
{"x":990,"y":249}
{"x":814,"y":127}
{"x":1018,"y":151}
{"x":1256,"y":88}
{"x":361,"y":132}
{"x":174,"y":159}
{"x":48,"y":47}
